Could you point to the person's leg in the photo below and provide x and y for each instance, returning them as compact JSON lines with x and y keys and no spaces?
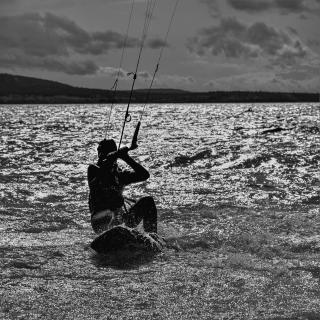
{"x":101,"y":221}
{"x":145,"y":209}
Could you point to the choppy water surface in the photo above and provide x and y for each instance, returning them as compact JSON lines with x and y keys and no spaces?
{"x":238,"y":205}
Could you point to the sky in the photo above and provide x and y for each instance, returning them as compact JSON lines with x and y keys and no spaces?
{"x":252,"y":45}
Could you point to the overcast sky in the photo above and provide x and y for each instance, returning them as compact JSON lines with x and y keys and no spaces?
{"x":213,"y":44}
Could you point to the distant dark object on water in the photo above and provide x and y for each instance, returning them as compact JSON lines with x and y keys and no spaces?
{"x":275,"y":130}
{"x":238,"y":128}
{"x":185,"y":160}
{"x":311,"y":129}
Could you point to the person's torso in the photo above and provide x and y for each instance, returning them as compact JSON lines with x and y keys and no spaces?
{"x":108,"y":191}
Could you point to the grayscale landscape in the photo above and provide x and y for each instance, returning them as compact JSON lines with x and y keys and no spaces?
{"x":226,"y":94}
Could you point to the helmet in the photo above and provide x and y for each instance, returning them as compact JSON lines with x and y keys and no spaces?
{"x":107,"y":146}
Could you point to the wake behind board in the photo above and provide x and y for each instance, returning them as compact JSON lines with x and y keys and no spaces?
{"x":121,"y":238}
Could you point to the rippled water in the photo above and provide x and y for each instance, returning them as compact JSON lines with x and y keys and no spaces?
{"x":238,"y":205}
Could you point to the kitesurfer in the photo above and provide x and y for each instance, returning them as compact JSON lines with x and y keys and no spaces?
{"x":108,"y":206}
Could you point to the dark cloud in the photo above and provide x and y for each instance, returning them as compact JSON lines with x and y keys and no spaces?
{"x":227,"y":39}
{"x":293,"y":30}
{"x":157,"y":43}
{"x":50,"y":34}
{"x":289,"y":6}
{"x":283,"y":6}
{"x":234,"y":39}
{"x":268,"y":39}
{"x":250,"y":5}
{"x":51,"y":42}
{"x":17,"y":60}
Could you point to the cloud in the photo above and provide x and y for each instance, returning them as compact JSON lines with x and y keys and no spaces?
{"x":287,"y":62}
{"x":170,"y":80}
{"x":296,"y":75}
{"x":51,"y":42}
{"x":234,"y":39}
{"x":263,"y":81}
{"x":226,"y":38}
{"x":314,"y":42}
{"x":157,"y":43}
{"x":114,"y":72}
{"x":16,"y":60}
{"x":305,"y":71}
{"x":283,"y":6}
{"x":144,"y":75}
{"x":250,"y":5}
{"x":240,"y":82}
{"x":290,"y":55}
{"x":53,"y":35}
{"x":125,"y":75}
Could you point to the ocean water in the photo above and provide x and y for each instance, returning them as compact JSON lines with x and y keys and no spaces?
{"x":238,"y":201}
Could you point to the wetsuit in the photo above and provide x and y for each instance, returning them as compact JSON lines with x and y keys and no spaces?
{"x":107,"y":204}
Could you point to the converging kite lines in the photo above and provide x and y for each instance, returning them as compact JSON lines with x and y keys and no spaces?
{"x":150,"y":8}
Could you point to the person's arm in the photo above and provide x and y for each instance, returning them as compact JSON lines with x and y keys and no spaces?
{"x":92,"y":176}
{"x":140,"y":173}
{"x":109,"y":160}
{"x":113,"y":156}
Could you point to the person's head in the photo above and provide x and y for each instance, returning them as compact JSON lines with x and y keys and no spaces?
{"x":105,"y":147}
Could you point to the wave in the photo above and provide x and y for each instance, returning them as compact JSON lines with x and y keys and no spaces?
{"x":184,"y":160}
{"x":255,"y":160}
{"x":245,"y":161}
{"x":313,"y":129}
{"x":275,"y":130}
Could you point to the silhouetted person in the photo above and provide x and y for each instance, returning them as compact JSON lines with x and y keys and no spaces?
{"x":106,"y":180}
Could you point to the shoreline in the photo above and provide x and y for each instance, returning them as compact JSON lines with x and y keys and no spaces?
{"x":215,"y":97}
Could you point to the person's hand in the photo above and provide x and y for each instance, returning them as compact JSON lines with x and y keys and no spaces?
{"x":123,"y":152}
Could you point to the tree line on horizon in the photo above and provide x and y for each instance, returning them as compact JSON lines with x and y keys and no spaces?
{"x":19,"y":89}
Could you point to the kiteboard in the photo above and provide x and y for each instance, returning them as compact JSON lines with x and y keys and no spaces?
{"x":121,"y":238}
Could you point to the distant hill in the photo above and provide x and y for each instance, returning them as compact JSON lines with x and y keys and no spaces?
{"x":27,"y":86}
{"x":20,"y":89}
